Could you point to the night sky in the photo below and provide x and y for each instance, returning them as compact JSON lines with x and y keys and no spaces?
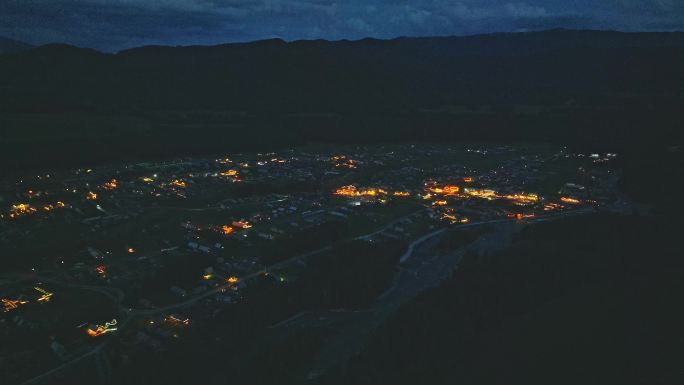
{"x":111,"y":25}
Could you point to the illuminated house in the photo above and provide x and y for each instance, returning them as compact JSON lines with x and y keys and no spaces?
{"x":341,"y":161}
{"x":94,"y":330}
{"x":10,"y":304}
{"x":450,"y":217}
{"x":352,"y":191}
{"x":178,"y":183}
{"x":111,"y":185}
{"x":98,"y":330}
{"x":522,"y":199}
{"x":46,"y":295}
{"x":444,"y":190}
{"x":241,"y":224}
{"x":552,"y":206}
{"x":176,"y":320}
{"x":52,"y":207}
{"x":231,"y":174}
{"x":21,"y":209}
{"x":482,"y":193}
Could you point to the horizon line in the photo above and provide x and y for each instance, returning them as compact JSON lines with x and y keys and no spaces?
{"x":367,"y":38}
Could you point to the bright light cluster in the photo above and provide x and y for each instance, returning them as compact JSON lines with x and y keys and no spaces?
{"x":21,"y":209}
{"x":341,"y":161}
{"x":352,"y":191}
{"x":178,"y":183}
{"x":11,"y":304}
{"x":572,"y":201}
{"x":98,"y":330}
{"x":522,"y":199}
{"x":451,"y":218}
{"x":111,"y":185}
{"x":174,"y":320}
{"x":445,"y":190}
{"x":46,"y":295}
{"x":482,"y":193}
{"x":241,"y":224}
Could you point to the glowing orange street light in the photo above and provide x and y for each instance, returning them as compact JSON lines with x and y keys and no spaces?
{"x":46,"y":295}
{"x":569,"y":200}
{"x":10,"y":304}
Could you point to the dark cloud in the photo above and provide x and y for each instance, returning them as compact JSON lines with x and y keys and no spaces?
{"x":116,"y":24}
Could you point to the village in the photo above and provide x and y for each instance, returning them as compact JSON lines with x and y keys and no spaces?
{"x":146,"y":251}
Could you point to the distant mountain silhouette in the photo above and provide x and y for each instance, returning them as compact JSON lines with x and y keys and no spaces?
{"x":304,"y":76}
{"x":10,"y":45}
{"x":541,"y":67}
{"x":556,"y":85}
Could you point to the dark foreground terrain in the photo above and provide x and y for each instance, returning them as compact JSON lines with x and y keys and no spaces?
{"x":583,"y":301}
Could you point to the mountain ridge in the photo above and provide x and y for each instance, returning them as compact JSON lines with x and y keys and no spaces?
{"x":678,"y":35}
{"x":562,"y":86}
{"x":8,"y":45}
{"x":319,"y":75}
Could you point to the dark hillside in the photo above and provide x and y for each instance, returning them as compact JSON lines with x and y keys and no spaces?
{"x":593,"y":88}
{"x":10,"y":45}
{"x":583,"y":301}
